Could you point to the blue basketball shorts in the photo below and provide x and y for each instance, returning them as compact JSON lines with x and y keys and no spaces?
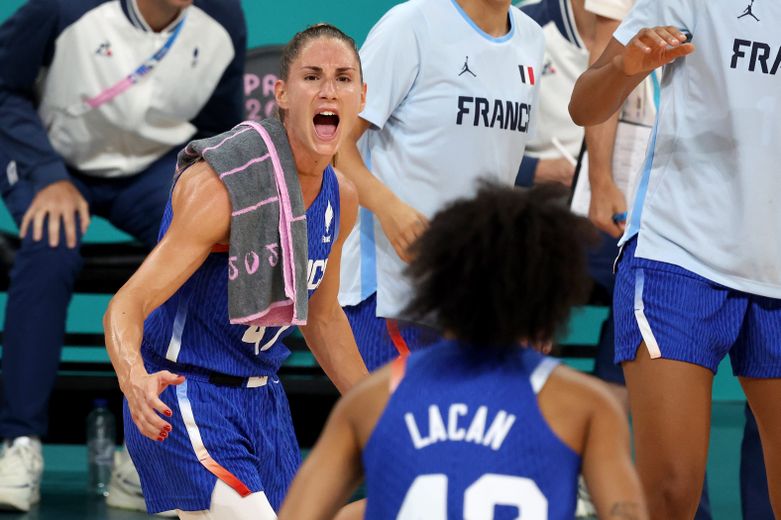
{"x":382,"y":340}
{"x":682,"y":316}
{"x":243,"y":436}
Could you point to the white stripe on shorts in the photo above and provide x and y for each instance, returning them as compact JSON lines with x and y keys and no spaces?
{"x":642,"y":321}
{"x":186,"y":409}
{"x":175,"y":345}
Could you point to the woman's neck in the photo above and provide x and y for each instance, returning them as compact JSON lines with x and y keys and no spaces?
{"x":157,"y":14}
{"x":491,"y":16}
{"x":310,"y":170}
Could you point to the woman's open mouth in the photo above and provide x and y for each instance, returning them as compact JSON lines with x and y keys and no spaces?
{"x":326,"y":124}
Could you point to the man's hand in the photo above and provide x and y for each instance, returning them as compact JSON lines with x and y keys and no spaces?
{"x":607,"y":201}
{"x":554,"y":170}
{"x":142,"y":391}
{"x":402,"y":224}
{"x":651,"y":49}
{"x":60,"y":201}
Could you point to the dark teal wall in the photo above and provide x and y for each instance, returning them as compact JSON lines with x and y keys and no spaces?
{"x":275,"y":21}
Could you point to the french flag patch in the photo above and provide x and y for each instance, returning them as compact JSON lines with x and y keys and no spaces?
{"x":527,"y":74}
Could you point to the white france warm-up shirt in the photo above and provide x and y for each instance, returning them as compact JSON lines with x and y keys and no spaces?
{"x":448,"y":105}
{"x":565,"y":59}
{"x":615,"y":9}
{"x":708,"y":199}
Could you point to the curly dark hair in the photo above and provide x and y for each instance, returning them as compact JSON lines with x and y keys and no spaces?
{"x":502,"y":268}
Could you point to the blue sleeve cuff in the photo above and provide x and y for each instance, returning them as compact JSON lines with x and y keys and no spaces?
{"x":45,"y":174}
{"x":525,"y":176}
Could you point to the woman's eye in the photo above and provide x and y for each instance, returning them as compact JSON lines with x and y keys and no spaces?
{"x":310,"y":77}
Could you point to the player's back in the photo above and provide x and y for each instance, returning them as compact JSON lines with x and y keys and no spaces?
{"x":463,"y":437}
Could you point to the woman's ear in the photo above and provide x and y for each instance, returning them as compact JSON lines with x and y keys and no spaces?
{"x":364,"y":89}
{"x":280,"y":92}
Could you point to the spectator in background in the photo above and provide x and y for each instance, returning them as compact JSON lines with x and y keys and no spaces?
{"x":96,"y":98}
{"x":452,"y":99}
{"x":568,"y":30}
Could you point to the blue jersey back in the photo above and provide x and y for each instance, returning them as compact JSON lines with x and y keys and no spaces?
{"x":463,"y":437}
{"x":192,"y":328}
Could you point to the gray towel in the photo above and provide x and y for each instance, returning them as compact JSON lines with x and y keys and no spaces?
{"x":268,"y":251}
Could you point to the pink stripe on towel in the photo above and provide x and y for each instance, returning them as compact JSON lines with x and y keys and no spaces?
{"x":223,"y":141}
{"x":285,"y":221}
{"x":252,"y":208}
{"x":242,"y":168}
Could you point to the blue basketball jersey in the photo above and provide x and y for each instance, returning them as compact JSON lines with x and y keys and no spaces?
{"x":463,"y":437}
{"x":192,"y":328}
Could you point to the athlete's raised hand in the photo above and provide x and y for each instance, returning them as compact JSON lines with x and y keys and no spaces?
{"x":61,"y":202}
{"x":652,"y":48}
{"x":142,"y":391}
{"x":402,"y":224}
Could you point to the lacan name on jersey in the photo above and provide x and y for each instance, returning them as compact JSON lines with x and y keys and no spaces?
{"x":459,"y":429}
{"x":496,"y":113}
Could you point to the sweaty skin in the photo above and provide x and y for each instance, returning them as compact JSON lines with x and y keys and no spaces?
{"x":324,"y":76}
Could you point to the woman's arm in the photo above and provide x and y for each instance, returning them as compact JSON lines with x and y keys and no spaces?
{"x":607,"y":461}
{"x":201,"y":219}
{"x":400,"y":222}
{"x":604,"y":87}
{"x":327,"y":332}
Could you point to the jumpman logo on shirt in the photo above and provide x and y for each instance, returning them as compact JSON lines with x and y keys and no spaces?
{"x":466,"y":68}
{"x":748,"y":12}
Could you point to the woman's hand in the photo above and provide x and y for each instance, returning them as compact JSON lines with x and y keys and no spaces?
{"x":142,"y":391}
{"x":402,"y":224}
{"x":652,"y":48}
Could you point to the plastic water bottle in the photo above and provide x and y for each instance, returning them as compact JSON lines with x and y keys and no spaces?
{"x":101,"y":444}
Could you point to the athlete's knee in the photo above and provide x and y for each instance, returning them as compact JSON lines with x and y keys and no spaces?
{"x":677,"y":489}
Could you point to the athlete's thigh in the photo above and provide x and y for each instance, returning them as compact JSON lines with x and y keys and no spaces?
{"x":226,"y":504}
{"x":757,"y":352}
{"x":274,"y":439}
{"x":671,"y":407}
{"x":764,"y":396}
{"x":139,"y":201}
{"x":210,"y":441}
{"x":676,"y":314}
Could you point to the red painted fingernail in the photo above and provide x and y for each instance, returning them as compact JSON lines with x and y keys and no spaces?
{"x":167,"y":428}
{"x":163,"y":434}
{"x":168,"y":413}
{"x":160,"y":439}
